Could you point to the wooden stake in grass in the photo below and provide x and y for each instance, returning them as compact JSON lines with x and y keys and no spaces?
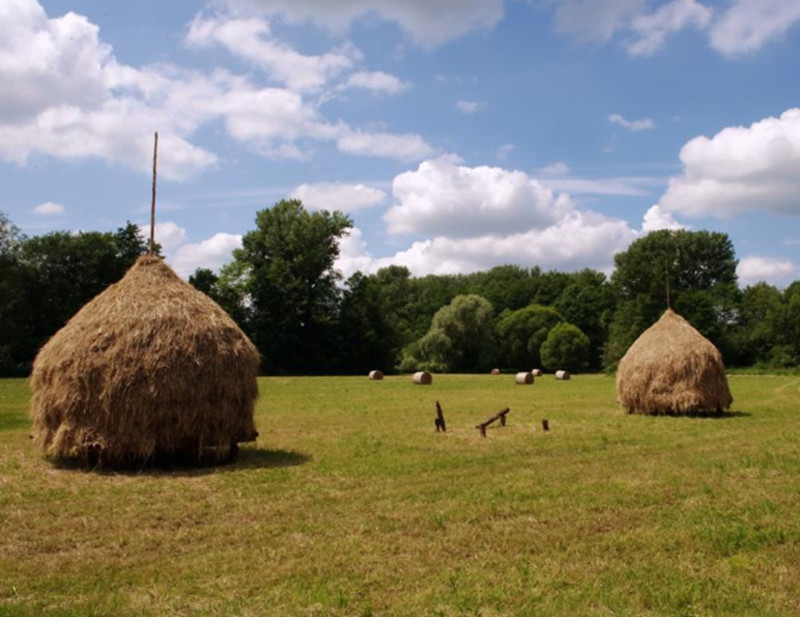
{"x":545,"y":425}
{"x":500,"y":415}
{"x":440,"y":419}
{"x":153,"y":201}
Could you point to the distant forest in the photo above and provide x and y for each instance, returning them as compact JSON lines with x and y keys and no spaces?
{"x":283,"y":291}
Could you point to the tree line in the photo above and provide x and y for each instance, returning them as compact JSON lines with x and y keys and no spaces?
{"x":281,"y":287}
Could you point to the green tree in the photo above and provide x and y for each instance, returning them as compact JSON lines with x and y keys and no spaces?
{"x":588,"y":302}
{"x":566,"y":348}
{"x":459,"y":339}
{"x":520,"y":335}
{"x":696,"y":271}
{"x":10,"y":309}
{"x":290,"y":285}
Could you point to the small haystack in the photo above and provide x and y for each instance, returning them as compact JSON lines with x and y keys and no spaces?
{"x":423,"y":378}
{"x":672,"y":369}
{"x":524,"y":379}
{"x":151,"y":370}
{"x":537,"y":372}
{"x":495,"y":371}
{"x":375,"y":375}
{"x":562,"y":375}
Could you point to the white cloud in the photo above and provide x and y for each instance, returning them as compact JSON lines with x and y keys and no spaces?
{"x":408,"y":147}
{"x":468,"y":107}
{"x":655,"y":218}
{"x":377,"y":82}
{"x":555,"y":170}
{"x":66,"y":96}
{"x":651,"y":30}
{"x":444,"y":197}
{"x":251,"y":39}
{"x":168,"y":234}
{"x":211,"y":253}
{"x":754,"y":269}
{"x":749,"y":24}
{"x":49,"y":208}
{"x":338,"y":196}
{"x":632,"y":187}
{"x":504,"y":151}
{"x":740,"y":169}
{"x":634,"y":125}
{"x":427,"y":23}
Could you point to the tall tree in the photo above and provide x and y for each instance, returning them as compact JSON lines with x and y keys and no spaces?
{"x":459,"y":339}
{"x":672,"y":266}
{"x":521,"y":334}
{"x":290,"y":283}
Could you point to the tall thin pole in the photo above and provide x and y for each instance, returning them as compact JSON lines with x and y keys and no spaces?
{"x":153,"y":202}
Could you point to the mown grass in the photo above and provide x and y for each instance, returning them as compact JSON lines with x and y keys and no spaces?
{"x":351,"y":504}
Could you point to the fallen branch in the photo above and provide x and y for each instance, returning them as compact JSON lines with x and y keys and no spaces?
{"x":500,"y":415}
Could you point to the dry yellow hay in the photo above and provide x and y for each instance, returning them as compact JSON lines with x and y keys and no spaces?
{"x":537,"y":372}
{"x":672,"y":369}
{"x":422,"y":378}
{"x":149,"y":370}
{"x":524,"y":379}
{"x":562,"y":375}
{"x":376,"y":375}
{"x":495,"y":371}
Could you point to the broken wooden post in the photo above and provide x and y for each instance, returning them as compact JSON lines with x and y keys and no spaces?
{"x":545,"y":425}
{"x":440,"y":419}
{"x":501,"y":415}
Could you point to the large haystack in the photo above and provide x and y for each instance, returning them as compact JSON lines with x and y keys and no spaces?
{"x":672,"y":369}
{"x":151,"y":370}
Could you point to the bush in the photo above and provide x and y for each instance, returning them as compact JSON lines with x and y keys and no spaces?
{"x":566,"y":348}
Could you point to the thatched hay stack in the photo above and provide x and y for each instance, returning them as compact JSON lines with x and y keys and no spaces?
{"x":423,"y":378}
{"x":537,"y":372}
{"x":375,"y":375}
{"x":151,"y":370}
{"x":672,"y":369}
{"x":495,"y":371}
{"x":524,"y":379}
{"x":562,"y":375}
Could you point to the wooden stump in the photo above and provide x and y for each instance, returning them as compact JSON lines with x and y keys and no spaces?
{"x":439,"y":422}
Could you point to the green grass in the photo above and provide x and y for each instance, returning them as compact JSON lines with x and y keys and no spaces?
{"x":351,"y":504}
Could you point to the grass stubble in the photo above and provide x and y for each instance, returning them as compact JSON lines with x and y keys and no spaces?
{"x":351,"y":504}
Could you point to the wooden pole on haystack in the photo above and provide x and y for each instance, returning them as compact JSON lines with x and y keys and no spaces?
{"x":153,"y":201}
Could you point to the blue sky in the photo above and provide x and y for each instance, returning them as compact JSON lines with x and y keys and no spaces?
{"x":458,"y":134}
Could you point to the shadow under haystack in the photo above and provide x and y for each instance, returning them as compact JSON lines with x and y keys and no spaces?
{"x":672,"y":369}
{"x":149,"y":371}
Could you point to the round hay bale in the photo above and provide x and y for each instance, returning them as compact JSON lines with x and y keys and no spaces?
{"x":524,"y":379}
{"x":495,"y":371}
{"x":672,"y":369}
{"x":537,"y":372}
{"x":562,"y":375}
{"x":151,"y":370}
{"x":423,"y":378}
{"x":375,"y":375}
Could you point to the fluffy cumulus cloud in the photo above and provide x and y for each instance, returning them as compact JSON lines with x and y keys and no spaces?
{"x":750,"y":24}
{"x":211,"y":253}
{"x":474,"y":218}
{"x":444,"y":197}
{"x":740,"y":169}
{"x":655,"y":218}
{"x":754,"y":269}
{"x":427,"y":23}
{"x":49,"y":208}
{"x":338,"y":196}
{"x":66,"y":95}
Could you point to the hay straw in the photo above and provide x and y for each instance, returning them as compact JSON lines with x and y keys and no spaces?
{"x":150,"y":369}
{"x":376,"y":375}
{"x":524,"y":379}
{"x":562,"y":375}
{"x":422,"y":378}
{"x":672,"y":369}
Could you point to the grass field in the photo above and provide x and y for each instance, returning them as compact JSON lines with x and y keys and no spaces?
{"x":351,"y":504}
